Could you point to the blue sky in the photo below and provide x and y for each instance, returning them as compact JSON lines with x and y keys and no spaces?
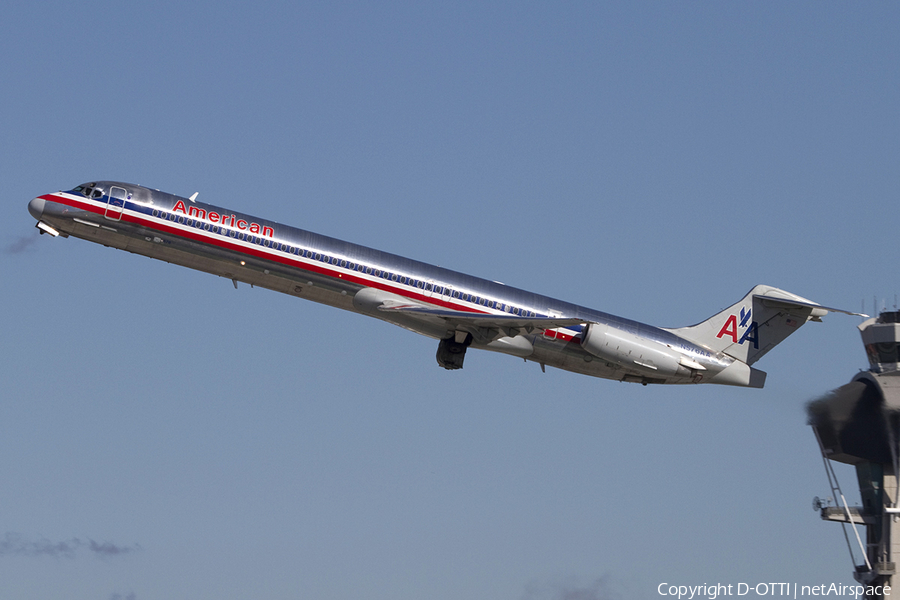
{"x":165,"y":436}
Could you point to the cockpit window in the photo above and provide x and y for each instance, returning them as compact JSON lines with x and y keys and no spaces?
{"x":87,"y":190}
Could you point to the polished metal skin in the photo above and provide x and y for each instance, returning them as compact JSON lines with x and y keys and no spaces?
{"x":459,"y":310}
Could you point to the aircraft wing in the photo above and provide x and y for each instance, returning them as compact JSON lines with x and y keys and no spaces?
{"x":487,"y":327}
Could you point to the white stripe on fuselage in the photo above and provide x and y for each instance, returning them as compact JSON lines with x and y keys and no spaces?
{"x":421,"y":295}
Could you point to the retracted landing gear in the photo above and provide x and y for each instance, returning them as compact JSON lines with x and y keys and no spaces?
{"x":452,"y":352}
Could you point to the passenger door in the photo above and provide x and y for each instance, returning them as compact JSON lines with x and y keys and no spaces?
{"x":115,"y":203}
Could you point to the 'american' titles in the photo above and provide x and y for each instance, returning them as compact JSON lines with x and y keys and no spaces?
{"x":226,"y":220}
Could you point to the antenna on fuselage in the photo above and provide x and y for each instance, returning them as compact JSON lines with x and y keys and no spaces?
{"x":193,"y":197}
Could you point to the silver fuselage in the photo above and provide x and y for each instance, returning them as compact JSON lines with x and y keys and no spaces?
{"x":268,"y":254}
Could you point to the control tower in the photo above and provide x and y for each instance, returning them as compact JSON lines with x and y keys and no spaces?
{"x":859,"y":424}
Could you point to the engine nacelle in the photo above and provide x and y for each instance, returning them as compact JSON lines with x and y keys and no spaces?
{"x":633,"y":352}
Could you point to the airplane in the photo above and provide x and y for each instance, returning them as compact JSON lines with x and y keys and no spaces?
{"x":461,"y":311}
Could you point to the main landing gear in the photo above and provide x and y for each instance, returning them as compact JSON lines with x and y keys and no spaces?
{"x":451,"y":352}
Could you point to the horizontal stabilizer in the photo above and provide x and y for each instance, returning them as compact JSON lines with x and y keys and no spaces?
{"x":818,"y":309}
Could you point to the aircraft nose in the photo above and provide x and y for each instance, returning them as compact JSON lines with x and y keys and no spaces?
{"x":36,"y":208}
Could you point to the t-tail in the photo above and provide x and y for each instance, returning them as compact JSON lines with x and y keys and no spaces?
{"x":761,"y":320}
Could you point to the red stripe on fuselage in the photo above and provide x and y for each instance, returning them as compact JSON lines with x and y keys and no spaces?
{"x":218,"y":240}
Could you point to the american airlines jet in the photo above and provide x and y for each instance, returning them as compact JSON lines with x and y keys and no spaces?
{"x":459,"y":310}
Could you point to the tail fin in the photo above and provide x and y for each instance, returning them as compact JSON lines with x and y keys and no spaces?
{"x":757,"y":323}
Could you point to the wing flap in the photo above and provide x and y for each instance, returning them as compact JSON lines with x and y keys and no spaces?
{"x":479,"y":323}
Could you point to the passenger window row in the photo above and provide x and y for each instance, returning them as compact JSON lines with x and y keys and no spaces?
{"x":427,"y":286}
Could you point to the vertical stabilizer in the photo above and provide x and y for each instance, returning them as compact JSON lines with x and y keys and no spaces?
{"x":761,"y":320}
